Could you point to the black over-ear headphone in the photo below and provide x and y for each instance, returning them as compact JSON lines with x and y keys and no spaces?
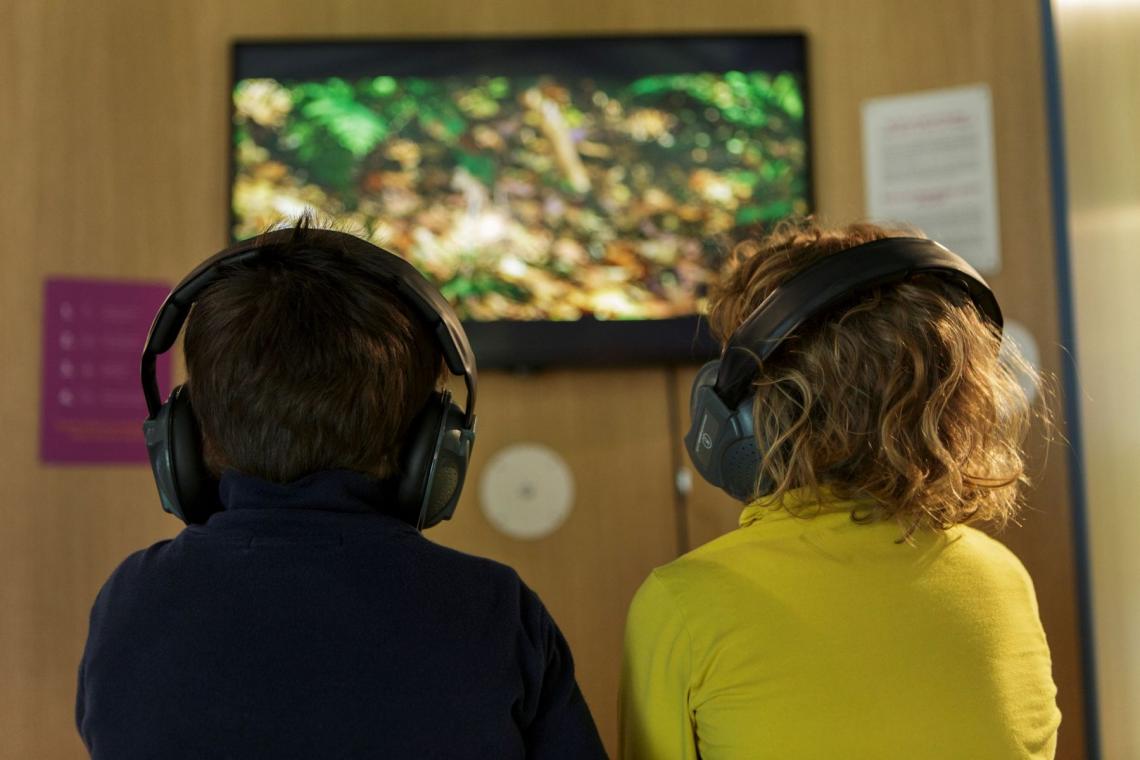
{"x":438,"y":448}
{"x":721,"y":440}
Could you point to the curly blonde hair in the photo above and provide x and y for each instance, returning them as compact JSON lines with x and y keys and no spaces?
{"x":897,"y":397}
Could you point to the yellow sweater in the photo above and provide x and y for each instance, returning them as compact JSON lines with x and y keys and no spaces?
{"x":799,"y":638}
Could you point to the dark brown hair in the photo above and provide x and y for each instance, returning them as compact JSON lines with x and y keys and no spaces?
{"x":899,"y":395}
{"x":302,"y":362}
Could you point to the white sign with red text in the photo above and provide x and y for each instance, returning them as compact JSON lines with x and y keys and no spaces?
{"x":928,"y":161}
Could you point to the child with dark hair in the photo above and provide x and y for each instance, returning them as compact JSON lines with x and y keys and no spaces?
{"x":305,"y":619}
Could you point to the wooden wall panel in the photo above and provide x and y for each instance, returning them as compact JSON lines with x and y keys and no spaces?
{"x":114,"y":138}
{"x":610,"y":427}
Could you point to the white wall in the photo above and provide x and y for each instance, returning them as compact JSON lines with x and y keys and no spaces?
{"x":1100,"y":72}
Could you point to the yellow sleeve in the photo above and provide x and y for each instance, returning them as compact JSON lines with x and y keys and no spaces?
{"x":656,"y":721}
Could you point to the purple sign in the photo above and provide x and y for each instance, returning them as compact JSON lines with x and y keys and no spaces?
{"x":92,"y":408}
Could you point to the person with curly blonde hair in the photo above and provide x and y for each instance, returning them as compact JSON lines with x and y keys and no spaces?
{"x":856,"y":612}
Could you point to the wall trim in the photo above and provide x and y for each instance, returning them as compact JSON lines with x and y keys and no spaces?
{"x":1055,"y":122}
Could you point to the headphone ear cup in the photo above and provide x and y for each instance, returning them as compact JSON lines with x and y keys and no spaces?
{"x":434,"y":463}
{"x":450,"y":471}
{"x":721,"y":442}
{"x":705,"y":378}
{"x":708,"y":416}
{"x":186,"y":487}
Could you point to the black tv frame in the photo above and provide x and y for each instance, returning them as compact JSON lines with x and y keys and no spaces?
{"x":522,"y":344}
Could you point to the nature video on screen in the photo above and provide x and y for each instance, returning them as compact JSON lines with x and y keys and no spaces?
{"x":531,"y":198}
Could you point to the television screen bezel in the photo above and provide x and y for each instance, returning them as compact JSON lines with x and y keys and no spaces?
{"x":522,"y":344}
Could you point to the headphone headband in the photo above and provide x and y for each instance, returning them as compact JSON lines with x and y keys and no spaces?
{"x":829,"y":281}
{"x":388,"y":268}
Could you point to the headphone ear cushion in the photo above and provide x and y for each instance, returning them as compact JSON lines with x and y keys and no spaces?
{"x":452,"y":458}
{"x":197,"y":486}
{"x":740,"y":466}
{"x":417,"y":457}
{"x":174,"y":443}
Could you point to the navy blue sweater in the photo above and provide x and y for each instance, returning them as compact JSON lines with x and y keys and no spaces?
{"x":303,"y":623}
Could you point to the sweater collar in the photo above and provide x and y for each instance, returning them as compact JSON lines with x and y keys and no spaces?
{"x":800,"y":502}
{"x":330,"y":491}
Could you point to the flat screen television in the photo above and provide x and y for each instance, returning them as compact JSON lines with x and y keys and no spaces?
{"x":573,"y":198}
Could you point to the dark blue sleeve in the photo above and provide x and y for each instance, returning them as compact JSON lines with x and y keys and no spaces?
{"x":558,"y":723}
{"x":80,"y":702}
{"x":97,"y":621}
{"x":81,"y":688}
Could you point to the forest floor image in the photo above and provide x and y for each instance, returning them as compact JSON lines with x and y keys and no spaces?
{"x":531,"y":198}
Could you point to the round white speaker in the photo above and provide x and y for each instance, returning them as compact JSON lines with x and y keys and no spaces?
{"x":526,"y":491}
